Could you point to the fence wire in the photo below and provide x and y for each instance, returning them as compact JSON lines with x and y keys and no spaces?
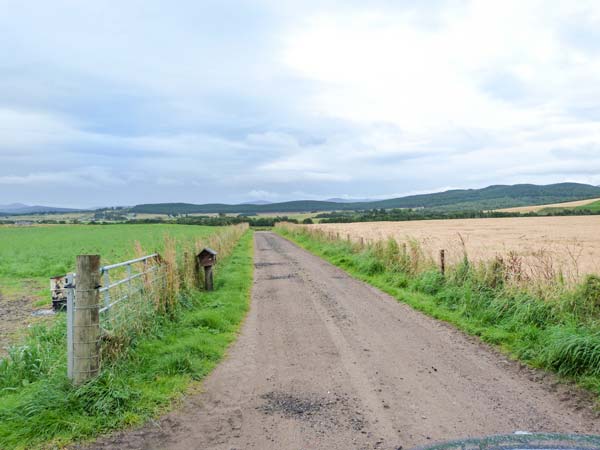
{"x":128,"y":301}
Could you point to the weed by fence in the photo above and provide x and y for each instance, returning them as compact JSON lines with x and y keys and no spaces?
{"x":105,"y":318}
{"x":120,"y":308}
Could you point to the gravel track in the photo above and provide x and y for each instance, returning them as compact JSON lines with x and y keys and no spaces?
{"x":327,"y":362}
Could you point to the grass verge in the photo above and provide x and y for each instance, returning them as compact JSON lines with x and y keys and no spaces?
{"x":39,"y":408}
{"x":562,"y":335}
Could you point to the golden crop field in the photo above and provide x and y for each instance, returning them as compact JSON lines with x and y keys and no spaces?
{"x":546,"y":245}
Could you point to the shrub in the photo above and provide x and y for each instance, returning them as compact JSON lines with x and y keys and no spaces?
{"x":430,"y":282}
{"x":589,"y":293}
{"x":461,"y":273}
{"x":398,"y":280}
{"x":452,"y":296}
{"x":494,"y":273}
{"x":370,"y":265}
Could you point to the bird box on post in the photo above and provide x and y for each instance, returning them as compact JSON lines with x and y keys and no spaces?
{"x":207,"y":258}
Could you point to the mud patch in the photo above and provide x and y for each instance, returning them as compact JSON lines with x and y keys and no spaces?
{"x":282,"y":277}
{"x":14,"y":318}
{"x":324,"y":413}
{"x":267,"y":264}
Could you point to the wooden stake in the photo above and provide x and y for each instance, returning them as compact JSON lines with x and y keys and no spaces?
{"x":197,"y":272}
{"x":86,"y":321}
{"x":443,"y":261}
{"x":208,"y":278}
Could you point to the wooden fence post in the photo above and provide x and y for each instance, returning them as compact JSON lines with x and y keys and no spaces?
{"x":70,"y":291}
{"x":443,"y":261}
{"x":86,"y":320}
{"x":208,"y":278}
{"x":207,"y":258}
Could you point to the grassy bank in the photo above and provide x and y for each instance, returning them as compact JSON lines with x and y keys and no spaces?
{"x":39,"y":407}
{"x":548,"y":325}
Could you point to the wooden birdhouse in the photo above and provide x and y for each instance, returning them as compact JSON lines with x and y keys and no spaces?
{"x":207,"y":257}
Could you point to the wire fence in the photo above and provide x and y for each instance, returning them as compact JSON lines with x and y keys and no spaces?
{"x":109,"y":307}
{"x":127,"y":304}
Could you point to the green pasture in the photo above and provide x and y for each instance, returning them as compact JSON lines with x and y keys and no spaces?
{"x":29,"y":256}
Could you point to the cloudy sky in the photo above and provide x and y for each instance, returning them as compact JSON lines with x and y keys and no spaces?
{"x":125,"y":102}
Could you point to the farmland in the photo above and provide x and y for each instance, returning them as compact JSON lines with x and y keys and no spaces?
{"x":592,"y":204}
{"x":570,"y":244}
{"x":30,"y":255}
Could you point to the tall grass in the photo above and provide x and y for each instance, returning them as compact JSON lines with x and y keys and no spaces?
{"x":146,"y":363}
{"x":162,"y":291}
{"x":545,"y":321}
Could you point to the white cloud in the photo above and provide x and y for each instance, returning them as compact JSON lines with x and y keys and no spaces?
{"x":381,"y":66}
{"x":126,"y":104}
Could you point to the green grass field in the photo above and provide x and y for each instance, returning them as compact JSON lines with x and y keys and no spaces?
{"x":39,"y":408}
{"x":595,"y":207}
{"x":29,"y":256}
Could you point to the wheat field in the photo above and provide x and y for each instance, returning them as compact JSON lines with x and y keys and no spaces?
{"x":547,"y":246}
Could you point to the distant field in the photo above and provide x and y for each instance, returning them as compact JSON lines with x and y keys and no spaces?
{"x":579,"y":204}
{"x":546,"y":243}
{"x":81,"y":216}
{"x":595,"y":206}
{"x":29,"y":256}
{"x":292,"y":215}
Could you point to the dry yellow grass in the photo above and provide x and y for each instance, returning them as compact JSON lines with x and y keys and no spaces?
{"x":526,"y":209}
{"x":547,"y":245}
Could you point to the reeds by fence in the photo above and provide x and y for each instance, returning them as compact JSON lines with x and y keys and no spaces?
{"x":158,"y":294}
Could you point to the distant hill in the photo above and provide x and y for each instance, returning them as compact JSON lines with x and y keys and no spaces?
{"x":257,"y":202}
{"x":12,"y":207}
{"x":347,"y":200}
{"x":20,"y":208}
{"x":491,"y":197}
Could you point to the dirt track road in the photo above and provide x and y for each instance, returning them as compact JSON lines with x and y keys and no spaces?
{"x":326,"y":362}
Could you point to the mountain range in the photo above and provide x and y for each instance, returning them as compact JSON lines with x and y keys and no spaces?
{"x":20,"y":208}
{"x":488,"y":198}
{"x":491,"y":197}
